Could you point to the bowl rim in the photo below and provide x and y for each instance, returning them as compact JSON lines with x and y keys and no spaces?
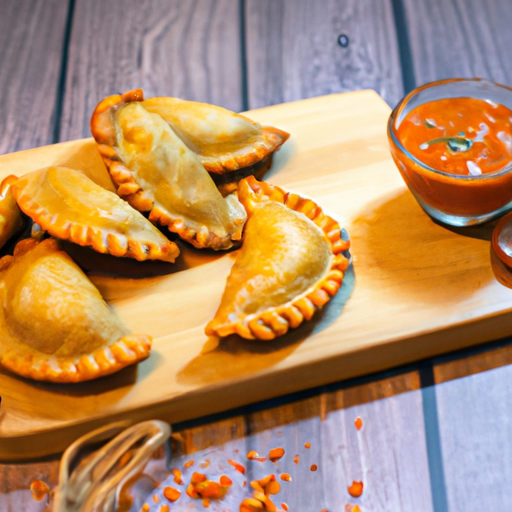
{"x":404,"y":101}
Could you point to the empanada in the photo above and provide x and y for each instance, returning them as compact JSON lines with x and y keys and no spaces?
{"x":223,"y":140}
{"x":157,"y":173}
{"x":54,"y":324}
{"x":69,"y":205}
{"x":289,"y":266}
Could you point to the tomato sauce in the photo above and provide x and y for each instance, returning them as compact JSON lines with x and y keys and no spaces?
{"x":463,"y":136}
{"x":468,"y":142}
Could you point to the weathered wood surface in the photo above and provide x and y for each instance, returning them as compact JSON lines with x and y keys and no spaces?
{"x":293,"y":52}
{"x":472,"y":393}
{"x":460,"y":38}
{"x":387,"y":453}
{"x":468,"y":407}
{"x":474,"y":400}
{"x":167,"y":47}
{"x":31,"y":42}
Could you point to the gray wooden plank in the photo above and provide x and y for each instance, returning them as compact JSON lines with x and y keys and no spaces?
{"x":31,"y":38}
{"x":293,"y":52}
{"x":168,"y":47}
{"x":388,"y":454}
{"x":474,"y":400}
{"x":15,"y":480}
{"x":460,"y":38}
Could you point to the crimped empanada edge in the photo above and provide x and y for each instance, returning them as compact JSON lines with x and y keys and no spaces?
{"x":126,"y":351}
{"x":276,"y":321}
{"x":87,"y":236}
{"x":128,"y":188}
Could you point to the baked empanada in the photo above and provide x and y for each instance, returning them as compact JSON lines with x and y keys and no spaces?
{"x":54,"y":324}
{"x":155,"y":171}
{"x":69,"y":205}
{"x":289,"y":266}
{"x":223,"y":140}
{"x":11,"y":219}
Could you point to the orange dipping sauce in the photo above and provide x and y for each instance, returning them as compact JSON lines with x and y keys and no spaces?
{"x":452,"y":143}
{"x":463,"y":136}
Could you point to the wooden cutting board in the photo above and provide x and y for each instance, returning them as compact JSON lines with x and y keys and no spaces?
{"x":416,"y":289}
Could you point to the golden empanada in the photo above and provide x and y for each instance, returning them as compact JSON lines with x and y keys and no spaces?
{"x":11,"y":219}
{"x":289,"y":266}
{"x":54,"y":324}
{"x":223,"y":140}
{"x":156,"y":172}
{"x":69,"y":205}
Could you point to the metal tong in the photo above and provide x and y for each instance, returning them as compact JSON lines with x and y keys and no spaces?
{"x":91,"y":486}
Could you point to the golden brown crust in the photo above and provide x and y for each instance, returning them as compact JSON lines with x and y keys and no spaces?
{"x":277,"y":319}
{"x":224,"y":141}
{"x":143,"y":197}
{"x":11,"y":219}
{"x":70,"y":206}
{"x":54,"y":325}
{"x":128,"y":350}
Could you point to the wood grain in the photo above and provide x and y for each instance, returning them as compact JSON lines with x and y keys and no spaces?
{"x":474,"y":401}
{"x":293,"y":52}
{"x":386,"y":454}
{"x":402,"y":260}
{"x":460,"y":38}
{"x":169,"y":48}
{"x":472,"y":392}
{"x":31,"y":39}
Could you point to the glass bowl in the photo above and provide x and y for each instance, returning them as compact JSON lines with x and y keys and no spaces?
{"x":458,"y":200}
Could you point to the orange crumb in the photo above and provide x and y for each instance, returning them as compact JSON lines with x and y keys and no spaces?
{"x":191,"y":492}
{"x":205,"y":463}
{"x":197,"y":478}
{"x":201,"y":487}
{"x":285,"y":506}
{"x":171,"y":493}
{"x":39,"y":489}
{"x":358,"y":422}
{"x":286,"y":477}
{"x":156,"y":499}
{"x":225,"y":481}
{"x":313,"y":467}
{"x":165,"y":508}
{"x":307,"y":446}
{"x":238,"y":467}
{"x":356,"y":508}
{"x":252,"y":455}
{"x":356,"y":489}
{"x":177,"y":476}
{"x":275,"y":454}
{"x":145,"y":507}
{"x":296,"y":459}
{"x":251,"y":505}
{"x":188,"y":464}
{"x":272,"y":487}
{"x":244,"y":483}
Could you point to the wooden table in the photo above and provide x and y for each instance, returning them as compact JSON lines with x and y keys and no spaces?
{"x":436,"y":434}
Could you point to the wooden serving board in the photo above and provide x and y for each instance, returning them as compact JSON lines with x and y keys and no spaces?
{"x":416,"y":289}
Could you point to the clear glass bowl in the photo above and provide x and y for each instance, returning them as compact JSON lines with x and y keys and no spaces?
{"x":453,"y":199}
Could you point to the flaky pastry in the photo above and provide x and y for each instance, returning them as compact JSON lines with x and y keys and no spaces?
{"x":289,"y":266}
{"x":156,"y":172}
{"x":11,"y":219}
{"x":223,"y":140}
{"x":69,"y":205}
{"x":54,"y":324}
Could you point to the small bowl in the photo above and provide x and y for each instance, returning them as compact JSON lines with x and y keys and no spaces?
{"x":458,"y":200}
